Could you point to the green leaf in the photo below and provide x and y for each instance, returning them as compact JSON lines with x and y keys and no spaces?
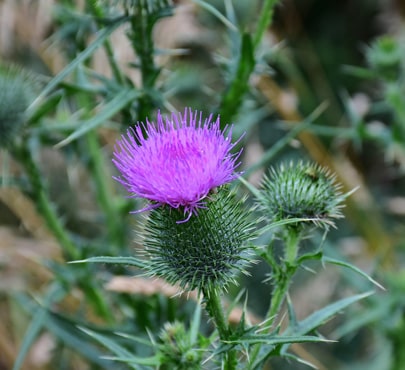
{"x":276,"y":148}
{"x":256,"y":192}
{"x":136,"y":339}
{"x":309,"y":256}
{"x":86,"y":53}
{"x":195,"y":325}
{"x":216,"y":13}
{"x":265,"y":18}
{"x":320,"y":317}
{"x":232,"y":97}
{"x":300,"y":360}
{"x":129,"y":261}
{"x":38,"y":321}
{"x":360,"y":72}
{"x":110,"y":344}
{"x":36,"y":325}
{"x":273,"y":340}
{"x":384,"y":309}
{"x":148,"y":361}
{"x":282,"y":143}
{"x":287,"y":221}
{"x":109,"y":110}
{"x":353,"y":268}
{"x":47,"y":106}
{"x":62,"y":328}
{"x":67,"y":332}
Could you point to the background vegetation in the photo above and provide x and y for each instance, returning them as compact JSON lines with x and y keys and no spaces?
{"x":325,"y":82}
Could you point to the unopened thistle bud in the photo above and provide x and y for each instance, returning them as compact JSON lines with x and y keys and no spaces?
{"x":16,"y":94}
{"x":302,"y":191}
{"x":386,"y":56}
{"x":176,"y":350}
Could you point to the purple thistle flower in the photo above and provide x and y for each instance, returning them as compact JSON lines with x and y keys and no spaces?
{"x":176,"y":162}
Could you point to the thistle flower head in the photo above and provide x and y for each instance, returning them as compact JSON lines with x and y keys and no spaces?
{"x":176,"y":161}
{"x":302,"y":191}
{"x":208,"y":250}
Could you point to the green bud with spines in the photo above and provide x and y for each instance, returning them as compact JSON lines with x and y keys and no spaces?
{"x":208,"y":250}
{"x":176,"y":350}
{"x":386,"y":57}
{"x":302,"y":191}
{"x":16,"y":94}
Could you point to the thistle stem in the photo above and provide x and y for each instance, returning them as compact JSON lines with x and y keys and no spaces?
{"x":292,"y":239}
{"x":281,"y":275}
{"x":214,"y":308}
{"x":25,"y":157}
{"x":104,"y":196}
{"x":281,"y":287}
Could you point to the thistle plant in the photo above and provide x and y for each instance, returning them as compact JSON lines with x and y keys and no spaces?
{"x":197,"y":231}
{"x":199,"y":235}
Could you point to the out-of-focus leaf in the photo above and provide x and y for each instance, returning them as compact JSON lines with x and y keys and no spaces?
{"x":353,"y":268}
{"x":273,"y":340}
{"x":232,"y":97}
{"x":216,"y":13}
{"x":99,"y":41}
{"x":122,"y":353}
{"x":38,"y":322}
{"x":109,"y":110}
{"x":320,"y":317}
{"x":46,"y":107}
{"x":129,"y":261}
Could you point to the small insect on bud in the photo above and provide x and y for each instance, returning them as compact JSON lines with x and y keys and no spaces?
{"x":302,"y":191}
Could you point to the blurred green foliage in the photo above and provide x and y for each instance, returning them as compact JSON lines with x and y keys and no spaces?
{"x":272,"y":83}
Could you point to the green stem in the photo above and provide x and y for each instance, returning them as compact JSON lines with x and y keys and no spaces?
{"x":141,"y":36}
{"x":214,"y":308}
{"x":292,"y":239}
{"x":23,"y":154}
{"x":25,"y":157}
{"x":99,"y":13}
{"x":280,"y":290}
{"x":282,"y":277}
{"x":279,"y":294}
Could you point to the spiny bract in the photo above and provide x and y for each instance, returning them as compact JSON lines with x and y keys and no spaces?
{"x":208,"y":250}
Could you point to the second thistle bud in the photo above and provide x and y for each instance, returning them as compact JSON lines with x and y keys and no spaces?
{"x":386,"y":56}
{"x":302,"y":191}
{"x":206,"y":251}
{"x":176,"y":349}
